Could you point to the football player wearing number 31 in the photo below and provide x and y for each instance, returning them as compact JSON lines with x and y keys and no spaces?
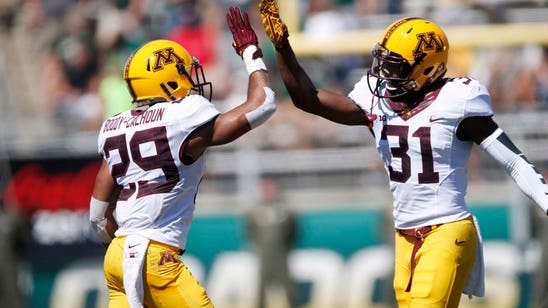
{"x":155,"y":154}
{"x":424,"y":126}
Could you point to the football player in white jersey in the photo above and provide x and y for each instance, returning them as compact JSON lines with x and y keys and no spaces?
{"x":424,"y":126}
{"x":155,"y":154}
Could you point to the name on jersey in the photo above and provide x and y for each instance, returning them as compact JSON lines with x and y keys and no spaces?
{"x":147,"y":116}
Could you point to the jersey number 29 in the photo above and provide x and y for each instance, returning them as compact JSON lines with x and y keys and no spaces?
{"x":161,"y":160}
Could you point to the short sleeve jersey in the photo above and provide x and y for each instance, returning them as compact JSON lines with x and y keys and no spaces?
{"x":143,"y":151}
{"x":424,"y":159}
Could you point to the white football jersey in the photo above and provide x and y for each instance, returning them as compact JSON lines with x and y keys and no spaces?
{"x":424,"y":159}
{"x":143,"y":151}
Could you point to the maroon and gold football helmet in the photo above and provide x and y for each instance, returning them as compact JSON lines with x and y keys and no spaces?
{"x":411,"y":54}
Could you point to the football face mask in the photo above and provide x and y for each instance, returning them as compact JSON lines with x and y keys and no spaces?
{"x":391,"y":68}
{"x":411,"y":54}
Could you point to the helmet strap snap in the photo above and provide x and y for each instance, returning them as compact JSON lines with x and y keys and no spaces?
{"x":166,"y":90}
{"x":180,"y":68}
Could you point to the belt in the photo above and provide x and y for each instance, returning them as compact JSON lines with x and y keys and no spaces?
{"x":419,"y":234}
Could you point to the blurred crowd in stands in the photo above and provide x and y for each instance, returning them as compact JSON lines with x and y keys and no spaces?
{"x":63,"y":59}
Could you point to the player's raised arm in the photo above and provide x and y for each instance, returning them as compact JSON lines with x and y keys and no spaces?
{"x":304,"y":94}
{"x":260,"y":102}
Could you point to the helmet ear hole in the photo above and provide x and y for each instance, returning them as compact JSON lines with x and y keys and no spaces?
{"x":428,"y":70}
{"x":172,"y":84}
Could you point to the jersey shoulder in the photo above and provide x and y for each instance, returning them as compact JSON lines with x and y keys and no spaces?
{"x":185,"y":114}
{"x":194,"y":108}
{"x":361,"y":93}
{"x":466,"y":97}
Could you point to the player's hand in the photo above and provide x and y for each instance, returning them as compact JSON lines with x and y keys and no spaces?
{"x":242,"y":33}
{"x":275,"y":28}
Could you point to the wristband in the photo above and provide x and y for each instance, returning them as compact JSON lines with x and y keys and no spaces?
{"x":97,"y":209}
{"x":251,"y":64}
{"x":97,"y":219}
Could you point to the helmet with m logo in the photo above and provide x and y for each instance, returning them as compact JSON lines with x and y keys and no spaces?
{"x":411,"y":54}
{"x":162,"y":71}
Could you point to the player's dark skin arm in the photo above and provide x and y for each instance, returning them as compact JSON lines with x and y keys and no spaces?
{"x":341,"y":109}
{"x":476,"y":129}
{"x":305,"y":96}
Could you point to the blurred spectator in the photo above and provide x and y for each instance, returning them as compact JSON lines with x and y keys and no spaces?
{"x":369,"y":7}
{"x":323,"y":20}
{"x":113,"y":88}
{"x":272,"y":230}
{"x":364,"y":14}
{"x":119,"y":28}
{"x":76,"y":46}
{"x":515,"y":76}
{"x":530,"y":58}
{"x":12,"y":239}
{"x":190,"y":29}
{"x":72,"y":74}
{"x":541,"y":82}
{"x":286,"y":129}
{"x":21,"y":61}
{"x":8,"y":11}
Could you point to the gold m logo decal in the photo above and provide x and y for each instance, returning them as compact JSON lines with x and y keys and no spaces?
{"x":427,"y":41}
{"x":165,"y":56}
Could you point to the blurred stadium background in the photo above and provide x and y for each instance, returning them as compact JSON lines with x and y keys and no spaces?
{"x":60,"y":76}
